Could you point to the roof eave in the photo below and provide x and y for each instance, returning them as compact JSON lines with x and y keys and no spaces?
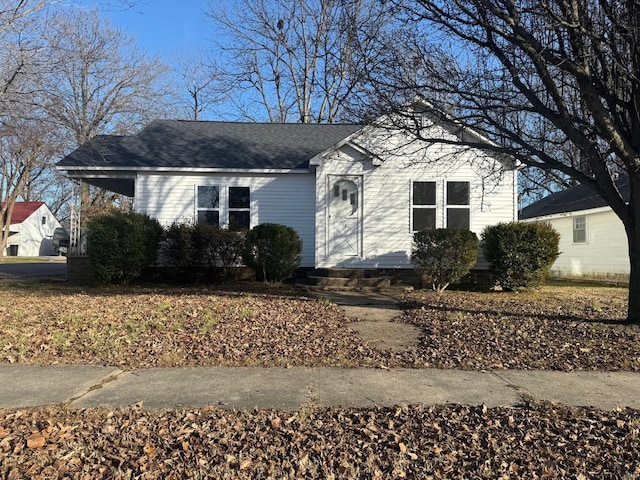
{"x":133,"y":170}
{"x":569,"y":213}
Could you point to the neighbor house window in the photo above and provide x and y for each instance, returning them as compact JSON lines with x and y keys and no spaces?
{"x":458,"y":205}
{"x":423,"y":206}
{"x":209,"y":204}
{"x":44,"y":220}
{"x":239,"y":208}
{"x":580,"y":229}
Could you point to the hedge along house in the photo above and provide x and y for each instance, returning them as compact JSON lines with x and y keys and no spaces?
{"x":593,"y":241}
{"x":355,"y":194}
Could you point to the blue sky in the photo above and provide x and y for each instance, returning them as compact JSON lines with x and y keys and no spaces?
{"x":162,"y":26}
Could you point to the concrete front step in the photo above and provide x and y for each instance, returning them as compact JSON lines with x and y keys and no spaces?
{"x":354,"y":282}
{"x":346,"y":272}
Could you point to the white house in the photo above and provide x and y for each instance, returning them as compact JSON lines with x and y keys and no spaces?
{"x":31,"y":230}
{"x":593,"y":242}
{"x":355,"y":194}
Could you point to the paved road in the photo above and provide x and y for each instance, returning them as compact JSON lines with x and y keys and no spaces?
{"x":52,"y":269}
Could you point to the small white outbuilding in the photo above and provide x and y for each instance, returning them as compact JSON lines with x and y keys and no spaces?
{"x":31,"y":230}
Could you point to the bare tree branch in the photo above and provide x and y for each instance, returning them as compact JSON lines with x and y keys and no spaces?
{"x":552,"y":83}
{"x":295,"y":60}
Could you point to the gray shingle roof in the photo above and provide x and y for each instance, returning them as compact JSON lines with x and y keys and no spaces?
{"x":226,"y":145}
{"x":572,"y":200}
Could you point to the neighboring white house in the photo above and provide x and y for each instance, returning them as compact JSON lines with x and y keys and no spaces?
{"x":31,"y":230}
{"x":593,"y":242}
{"x":354,"y":194}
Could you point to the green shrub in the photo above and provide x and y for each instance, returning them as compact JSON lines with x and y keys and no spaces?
{"x":520,"y":254}
{"x":273,"y":251}
{"x":121,"y":244}
{"x":201,"y":251}
{"x":204,"y":239}
{"x":177,"y":245}
{"x":217,"y":247}
{"x":443,"y":256}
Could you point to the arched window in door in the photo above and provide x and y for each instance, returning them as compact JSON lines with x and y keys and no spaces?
{"x":344,"y":198}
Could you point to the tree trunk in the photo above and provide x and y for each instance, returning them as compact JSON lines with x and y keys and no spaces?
{"x":633,"y":235}
{"x":633,"y":315}
{"x":631,"y":223}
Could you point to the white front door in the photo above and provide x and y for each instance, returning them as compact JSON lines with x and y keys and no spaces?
{"x":343,"y":217}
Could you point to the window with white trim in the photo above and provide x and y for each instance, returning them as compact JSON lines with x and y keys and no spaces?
{"x":458,"y":208}
{"x":239,"y":208}
{"x":208,"y":203}
{"x":423,"y":206}
{"x":580,"y":229}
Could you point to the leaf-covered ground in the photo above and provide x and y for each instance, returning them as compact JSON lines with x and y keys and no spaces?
{"x":528,"y":441}
{"x":559,"y":328}
{"x":554,"y":328}
{"x":135,"y":327}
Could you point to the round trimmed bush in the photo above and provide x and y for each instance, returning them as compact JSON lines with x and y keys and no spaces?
{"x":444,"y":255}
{"x":273,"y":251}
{"x":121,"y":244}
{"x":520,"y":254}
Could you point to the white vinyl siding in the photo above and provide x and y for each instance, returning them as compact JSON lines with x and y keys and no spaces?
{"x":384,"y":201}
{"x":387,"y":203}
{"x":288,"y":199}
{"x":33,"y":237}
{"x":605,"y":255}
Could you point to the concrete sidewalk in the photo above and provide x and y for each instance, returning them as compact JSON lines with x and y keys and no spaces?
{"x":290,"y":388}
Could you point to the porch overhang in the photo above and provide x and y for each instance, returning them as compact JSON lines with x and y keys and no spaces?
{"x":116,"y":181}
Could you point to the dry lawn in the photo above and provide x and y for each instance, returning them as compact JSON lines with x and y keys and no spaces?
{"x":557,"y":328}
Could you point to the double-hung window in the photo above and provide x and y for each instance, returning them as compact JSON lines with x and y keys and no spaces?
{"x":224,"y":206}
{"x":239,"y":208}
{"x":423,"y":206}
{"x":457,"y":208}
{"x":580,"y":229}
{"x":208,"y":202}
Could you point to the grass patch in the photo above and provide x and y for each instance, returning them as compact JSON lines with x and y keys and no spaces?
{"x":14,"y":260}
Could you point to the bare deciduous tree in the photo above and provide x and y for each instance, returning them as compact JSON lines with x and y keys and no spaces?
{"x":296,"y":60}
{"x":200,"y":80}
{"x":21,"y":148}
{"x":99,"y":83}
{"x":553,"y":84}
{"x":27,"y":144}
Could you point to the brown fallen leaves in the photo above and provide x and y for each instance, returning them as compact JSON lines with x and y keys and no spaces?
{"x":144,"y":327}
{"x":555,"y":328}
{"x":558,"y":328}
{"x":528,"y":441}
